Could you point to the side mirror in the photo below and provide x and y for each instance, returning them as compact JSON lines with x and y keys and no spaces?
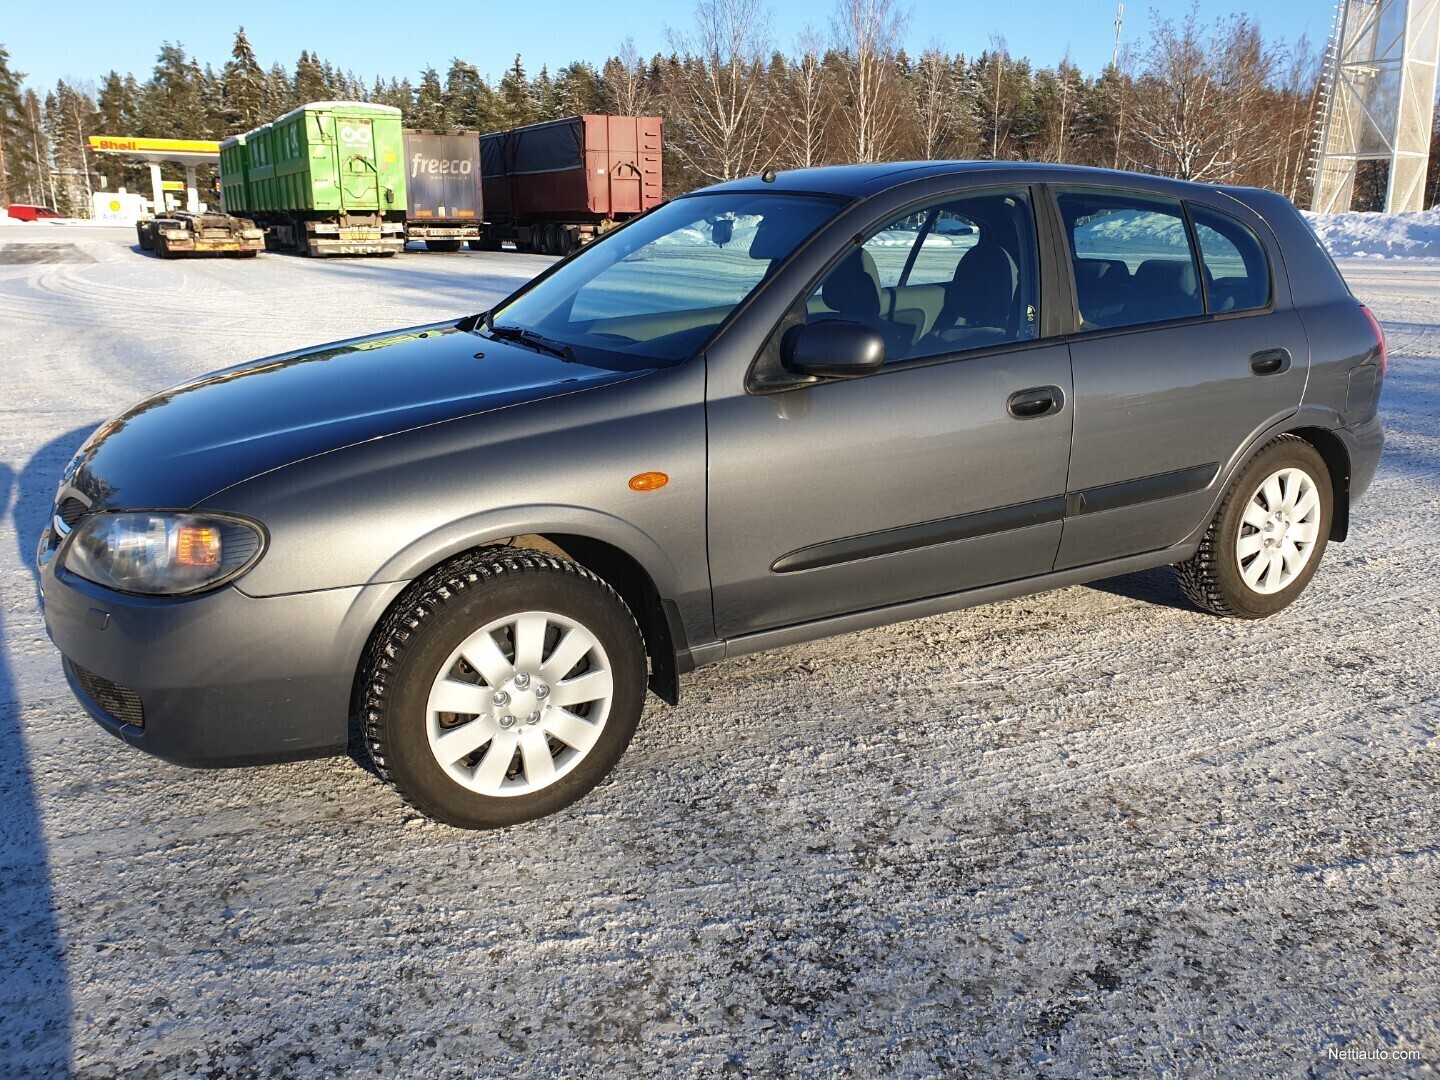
{"x":833,"y":349}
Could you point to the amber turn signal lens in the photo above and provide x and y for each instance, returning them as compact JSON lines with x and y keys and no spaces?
{"x":648,"y":481}
{"x":196,"y":546}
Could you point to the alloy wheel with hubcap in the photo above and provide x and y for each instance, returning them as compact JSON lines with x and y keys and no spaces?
{"x":1264,"y":543}
{"x":502,"y":688}
{"x":1278,"y":530}
{"x":519,"y":703}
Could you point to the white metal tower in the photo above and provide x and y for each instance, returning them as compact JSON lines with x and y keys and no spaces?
{"x":1378,"y":100}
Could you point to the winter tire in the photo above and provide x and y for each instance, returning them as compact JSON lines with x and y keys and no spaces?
{"x":442,"y":245}
{"x":502,"y":688}
{"x":1265,"y":541}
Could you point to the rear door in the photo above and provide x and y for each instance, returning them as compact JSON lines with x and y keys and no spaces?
{"x":1188,"y":348}
{"x":933,"y":475}
{"x":359,"y":178}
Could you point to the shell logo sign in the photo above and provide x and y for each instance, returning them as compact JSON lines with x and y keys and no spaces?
{"x":116,"y":144}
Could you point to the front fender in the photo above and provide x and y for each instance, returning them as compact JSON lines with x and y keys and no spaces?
{"x":424,"y":552}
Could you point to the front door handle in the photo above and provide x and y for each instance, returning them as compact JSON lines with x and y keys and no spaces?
{"x":1270,"y":361}
{"x":1036,"y":402}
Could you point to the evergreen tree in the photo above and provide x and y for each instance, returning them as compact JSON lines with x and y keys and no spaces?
{"x":309,"y":79}
{"x":280,"y":95}
{"x":17,"y":172}
{"x":69,"y":115}
{"x":544,"y":102}
{"x":117,"y":112}
{"x":172,"y":104}
{"x":244,"y":87}
{"x":469,"y":101}
{"x":41,"y":181}
{"x":579,"y":90}
{"x":514,"y":105}
{"x":429,"y":112}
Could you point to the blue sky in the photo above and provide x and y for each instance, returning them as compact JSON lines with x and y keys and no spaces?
{"x":403,"y":38}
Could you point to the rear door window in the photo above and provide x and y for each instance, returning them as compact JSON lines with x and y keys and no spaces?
{"x":1132,"y":259}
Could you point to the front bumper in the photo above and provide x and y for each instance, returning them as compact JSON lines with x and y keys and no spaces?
{"x":221,"y":679}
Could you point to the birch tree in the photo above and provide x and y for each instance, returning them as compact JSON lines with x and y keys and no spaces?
{"x":867,"y":33}
{"x":624,"y":77}
{"x":804,"y":103}
{"x":1200,"y":97}
{"x":933,"y":98}
{"x":717,"y":102}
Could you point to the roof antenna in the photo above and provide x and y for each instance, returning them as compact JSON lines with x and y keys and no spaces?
{"x":768,"y":176}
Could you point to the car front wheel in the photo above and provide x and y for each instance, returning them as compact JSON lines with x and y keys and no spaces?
{"x":503,"y":688}
{"x":1263,"y":545}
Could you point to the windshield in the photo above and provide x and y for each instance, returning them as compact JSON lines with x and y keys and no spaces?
{"x":660,"y":287}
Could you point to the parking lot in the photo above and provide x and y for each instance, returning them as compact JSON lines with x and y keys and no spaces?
{"x":1085,"y":832}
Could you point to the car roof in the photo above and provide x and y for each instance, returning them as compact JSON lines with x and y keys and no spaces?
{"x":861,"y":181}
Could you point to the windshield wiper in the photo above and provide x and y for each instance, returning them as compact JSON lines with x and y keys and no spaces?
{"x":536,"y":341}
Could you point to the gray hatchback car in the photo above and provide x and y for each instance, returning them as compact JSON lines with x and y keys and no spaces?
{"x":769,"y":411}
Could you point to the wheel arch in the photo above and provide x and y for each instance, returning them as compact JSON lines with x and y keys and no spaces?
{"x":658,"y":617}
{"x":1337,"y":464}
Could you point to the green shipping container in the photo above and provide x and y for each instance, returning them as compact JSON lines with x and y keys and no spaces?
{"x":322,"y":159}
{"x":234,"y":174}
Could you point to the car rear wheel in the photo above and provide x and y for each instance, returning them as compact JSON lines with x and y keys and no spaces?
{"x":503,"y":688}
{"x":1266,"y":539}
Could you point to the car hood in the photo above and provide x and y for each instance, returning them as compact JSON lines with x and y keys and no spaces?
{"x":184,"y":444}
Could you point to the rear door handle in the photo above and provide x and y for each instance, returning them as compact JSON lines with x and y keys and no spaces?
{"x":1270,"y":361}
{"x":1036,"y":402}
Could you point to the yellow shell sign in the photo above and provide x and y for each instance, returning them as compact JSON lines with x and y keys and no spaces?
{"x":122,"y":145}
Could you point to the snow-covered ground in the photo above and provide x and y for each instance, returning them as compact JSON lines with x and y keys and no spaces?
{"x":1081,"y":833}
{"x":1361,"y":235}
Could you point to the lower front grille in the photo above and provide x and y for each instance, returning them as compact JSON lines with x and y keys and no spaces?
{"x":70,"y":511}
{"x":119,"y":701}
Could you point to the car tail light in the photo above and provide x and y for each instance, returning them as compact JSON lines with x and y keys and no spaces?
{"x":1379,"y":338}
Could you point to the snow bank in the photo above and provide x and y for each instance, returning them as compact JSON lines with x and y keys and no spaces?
{"x":1362,"y":235}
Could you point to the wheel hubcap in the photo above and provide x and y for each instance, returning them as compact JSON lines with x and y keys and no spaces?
{"x":1278,"y":530}
{"x":519,"y":703}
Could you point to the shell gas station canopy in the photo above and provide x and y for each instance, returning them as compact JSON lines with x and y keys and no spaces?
{"x":189,"y":153}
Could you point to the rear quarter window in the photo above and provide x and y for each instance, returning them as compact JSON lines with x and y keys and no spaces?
{"x":1237,"y":271}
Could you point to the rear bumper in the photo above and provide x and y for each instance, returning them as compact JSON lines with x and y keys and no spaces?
{"x":1364,"y":442}
{"x":212,"y":246}
{"x":449,"y":231}
{"x":317,"y":245}
{"x":221,"y":679}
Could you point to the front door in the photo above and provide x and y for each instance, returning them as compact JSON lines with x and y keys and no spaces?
{"x":944,"y":471}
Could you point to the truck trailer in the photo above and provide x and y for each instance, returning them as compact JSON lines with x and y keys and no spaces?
{"x":324,"y":179}
{"x":443,"y":186}
{"x":185,"y":233}
{"x":549,"y":187}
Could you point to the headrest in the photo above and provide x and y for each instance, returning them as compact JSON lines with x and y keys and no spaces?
{"x":775,"y":237}
{"x":853,"y":287}
{"x":1166,"y":277}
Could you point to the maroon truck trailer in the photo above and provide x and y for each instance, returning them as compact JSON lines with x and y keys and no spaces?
{"x":551,"y":186}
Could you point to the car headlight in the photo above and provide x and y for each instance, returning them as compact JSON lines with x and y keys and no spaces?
{"x":163,"y":554}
